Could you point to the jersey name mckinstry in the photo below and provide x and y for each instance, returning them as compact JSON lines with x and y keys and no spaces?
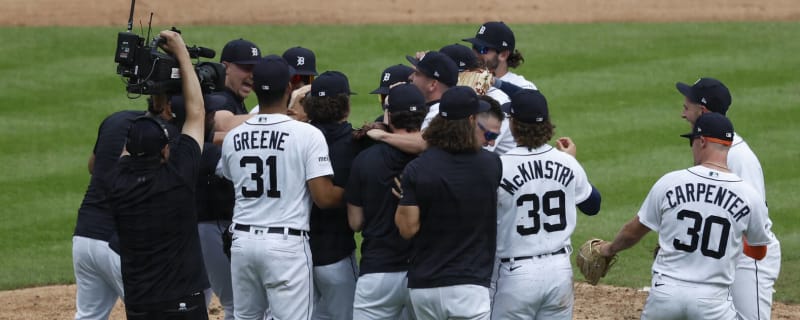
{"x":538,"y":169}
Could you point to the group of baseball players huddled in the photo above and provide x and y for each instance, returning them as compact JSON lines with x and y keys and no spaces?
{"x":464,"y":207}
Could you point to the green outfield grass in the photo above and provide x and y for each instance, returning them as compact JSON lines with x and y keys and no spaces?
{"x":610,"y":87}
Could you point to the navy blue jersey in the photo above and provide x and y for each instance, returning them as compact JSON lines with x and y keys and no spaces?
{"x":153,"y":205}
{"x":94,"y":217}
{"x":457,"y":198}
{"x":331,"y":238}
{"x":232,"y":102}
{"x":215,"y":197}
{"x":370,"y":187}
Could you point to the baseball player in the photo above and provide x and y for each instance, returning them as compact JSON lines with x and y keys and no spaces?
{"x":701,"y":214}
{"x":381,"y":290}
{"x":277,"y":165}
{"x":536,"y":213}
{"x":391,"y":75}
{"x":239,"y":57}
{"x":332,"y":243}
{"x":448,"y":207}
{"x":304,"y":63}
{"x":494,"y":44}
{"x":435,"y":73}
{"x":755,"y":279}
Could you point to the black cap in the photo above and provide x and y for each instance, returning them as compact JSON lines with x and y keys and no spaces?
{"x":494,"y":34}
{"x":460,"y":102}
{"x":528,"y":106}
{"x":392,"y":75}
{"x":330,"y":84}
{"x":405,"y":97}
{"x":146,"y":137}
{"x":713,"y":126}
{"x":463,"y":56}
{"x":270,"y":74}
{"x":240,"y":52}
{"x":709,"y":92}
{"x":437,"y":66}
{"x":303,"y":61}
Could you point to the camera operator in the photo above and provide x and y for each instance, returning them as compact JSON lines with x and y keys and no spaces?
{"x":151,"y":192}
{"x":239,"y":57}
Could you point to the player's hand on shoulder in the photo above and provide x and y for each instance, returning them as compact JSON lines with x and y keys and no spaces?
{"x":565,"y":144}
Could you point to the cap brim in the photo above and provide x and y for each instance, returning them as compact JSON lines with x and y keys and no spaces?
{"x":684,"y":89}
{"x":412,"y":60}
{"x":689,"y":135}
{"x":246,"y":61}
{"x":479,"y":42}
{"x":380,"y":90}
{"x":306,"y":73}
{"x":483,"y":106}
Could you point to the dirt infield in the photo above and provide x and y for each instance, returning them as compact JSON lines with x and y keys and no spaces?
{"x":186,"y":12}
{"x":601,"y":302}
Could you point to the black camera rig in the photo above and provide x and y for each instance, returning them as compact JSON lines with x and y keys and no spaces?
{"x":149,"y":71}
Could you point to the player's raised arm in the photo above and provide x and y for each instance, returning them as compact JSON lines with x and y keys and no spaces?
{"x":195,"y":113}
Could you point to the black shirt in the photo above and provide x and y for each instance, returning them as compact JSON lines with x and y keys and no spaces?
{"x":153,"y":206}
{"x":370,"y":187}
{"x":233,"y":102}
{"x":215,"y":197}
{"x":457,"y":198}
{"x":94,"y":216}
{"x":331,"y":238}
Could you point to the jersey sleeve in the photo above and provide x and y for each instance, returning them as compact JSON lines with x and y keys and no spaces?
{"x":227,"y":149}
{"x":583,"y":189}
{"x":743,"y":162}
{"x":317,"y":160}
{"x":650,"y":212}
{"x":409,"y":185}
{"x":757,"y":229}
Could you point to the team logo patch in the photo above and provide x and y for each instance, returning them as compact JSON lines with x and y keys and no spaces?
{"x":254,"y":52}
{"x":413,"y":108}
{"x":505,"y":44}
{"x":301,"y":61}
{"x":322,"y":93}
{"x":444,"y":113}
{"x":703,"y":100}
{"x":482,"y":30}
{"x":461,"y":64}
{"x":265,"y":87}
{"x":386,"y":76}
{"x":436,"y":74}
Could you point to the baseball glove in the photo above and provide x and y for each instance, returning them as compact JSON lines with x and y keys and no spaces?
{"x":361,"y":133}
{"x":479,"y":80}
{"x":592,"y":264}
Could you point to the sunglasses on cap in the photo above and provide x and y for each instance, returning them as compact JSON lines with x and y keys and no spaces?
{"x":307,"y":79}
{"x":488,"y":135}
{"x":481,"y":49}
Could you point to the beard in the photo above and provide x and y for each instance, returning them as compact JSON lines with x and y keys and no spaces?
{"x":492,"y":63}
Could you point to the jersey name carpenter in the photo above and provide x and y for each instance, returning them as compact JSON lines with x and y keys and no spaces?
{"x":538,"y":169}
{"x":708,"y":193}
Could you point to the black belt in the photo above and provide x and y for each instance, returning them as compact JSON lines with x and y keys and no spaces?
{"x":560,"y":251}
{"x":246,"y":228}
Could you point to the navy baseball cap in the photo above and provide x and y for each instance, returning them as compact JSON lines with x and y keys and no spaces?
{"x":438,"y":66}
{"x":405,"y":97}
{"x":460,"y":102}
{"x":494,"y":34}
{"x":709,"y":92}
{"x":302,"y":60}
{"x":714,"y":127}
{"x":330,"y":84}
{"x":392,"y":75}
{"x":271,"y":74}
{"x":463,"y":56}
{"x":240,"y":52}
{"x":146,"y":137}
{"x":529,"y":106}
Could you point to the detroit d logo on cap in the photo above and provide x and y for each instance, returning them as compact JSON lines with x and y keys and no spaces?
{"x":254,"y":52}
{"x":482,"y":30}
{"x":301,"y":61}
{"x":386,"y":76}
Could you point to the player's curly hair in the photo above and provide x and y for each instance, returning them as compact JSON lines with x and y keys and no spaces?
{"x":532,"y":135}
{"x":408,"y":120}
{"x":515,"y":59}
{"x":327,"y":109}
{"x":453,"y":136}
